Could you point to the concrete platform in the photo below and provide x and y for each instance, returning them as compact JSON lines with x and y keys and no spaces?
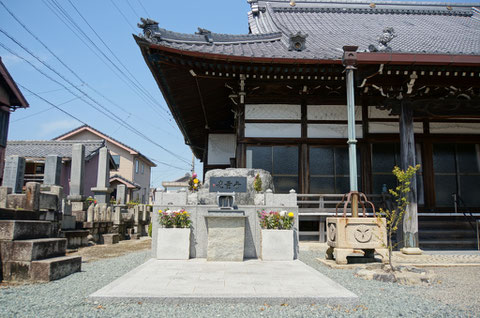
{"x":251,"y":281}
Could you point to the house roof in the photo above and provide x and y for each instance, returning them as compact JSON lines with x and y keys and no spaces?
{"x":16,"y":98}
{"x":43,"y":148}
{"x":129,"y":183}
{"x":419,"y":27}
{"x":131,"y":150}
{"x":179,"y":183}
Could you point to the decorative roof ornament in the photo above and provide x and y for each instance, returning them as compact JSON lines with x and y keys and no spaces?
{"x":297,"y":42}
{"x":206,"y":33}
{"x":150,"y":28}
{"x":383,"y":40}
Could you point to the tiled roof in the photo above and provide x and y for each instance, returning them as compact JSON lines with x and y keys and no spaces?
{"x":103,"y":134}
{"x":126,"y":181}
{"x":420,"y":27}
{"x":43,"y":148}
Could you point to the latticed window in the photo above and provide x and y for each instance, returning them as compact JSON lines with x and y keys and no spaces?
{"x":280,"y":161}
{"x":457,"y":170}
{"x":329,"y":170}
{"x":385,"y":157}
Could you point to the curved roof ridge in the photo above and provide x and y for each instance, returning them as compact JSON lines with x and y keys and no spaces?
{"x":154,"y":34}
{"x":355,"y":2}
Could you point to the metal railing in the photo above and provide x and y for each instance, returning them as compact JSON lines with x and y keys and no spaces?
{"x":457,"y":201}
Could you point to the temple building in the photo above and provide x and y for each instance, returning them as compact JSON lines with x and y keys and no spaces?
{"x":276,"y":98}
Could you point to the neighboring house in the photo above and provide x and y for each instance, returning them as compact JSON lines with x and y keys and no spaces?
{"x":177,"y":185}
{"x":10,"y":99}
{"x":134,"y":169}
{"x":35,"y":152}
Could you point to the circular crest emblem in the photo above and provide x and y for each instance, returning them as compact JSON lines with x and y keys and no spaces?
{"x":363,"y":234}
{"x":332,"y":231}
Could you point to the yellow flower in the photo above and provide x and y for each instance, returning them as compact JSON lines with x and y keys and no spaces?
{"x":195,"y":180}
{"x":160,"y":211}
{"x":290,"y":214}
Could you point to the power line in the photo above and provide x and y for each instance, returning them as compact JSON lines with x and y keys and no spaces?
{"x":53,"y":105}
{"x":115,"y":56}
{"x":42,"y":111}
{"x":124,"y":17}
{"x":102,"y":109}
{"x":67,"y":67}
{"x":167,"y":164}
{"x":145,"y":10}
{"x":76,"y":118}
{"x":133,"y":10}
{"x":55,"y":6}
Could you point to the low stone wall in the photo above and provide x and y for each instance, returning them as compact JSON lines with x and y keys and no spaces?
{"x":199,"y":242}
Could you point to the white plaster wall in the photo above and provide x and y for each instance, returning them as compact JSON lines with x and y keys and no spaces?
{"x":331,"y":131}
{"x":272,"y":111}
{"x":273,"y":130}
{"x":221,"y":147}
{"x":455,"y":128}
{"x":331,"y":112}
{"x":391,"y":128}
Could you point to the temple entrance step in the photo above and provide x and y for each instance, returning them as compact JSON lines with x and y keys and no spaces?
{"x":29,"y":250}
{"x":446,"y":232}
{"x":24,"y":229}
{"x":449,"y":245}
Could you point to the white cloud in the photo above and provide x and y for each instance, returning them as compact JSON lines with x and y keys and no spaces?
{"x":57,"y":127}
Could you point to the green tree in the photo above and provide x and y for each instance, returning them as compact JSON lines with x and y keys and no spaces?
{"x":394,"y":216}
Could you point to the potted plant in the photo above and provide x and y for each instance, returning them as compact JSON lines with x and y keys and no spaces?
{"x":276,"y":235}
{"x":173,"y":239}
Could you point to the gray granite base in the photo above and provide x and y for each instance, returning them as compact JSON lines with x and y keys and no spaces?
{"x":200,"y":281}
{"x":226,"y":237}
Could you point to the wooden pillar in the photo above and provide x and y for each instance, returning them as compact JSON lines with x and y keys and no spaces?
{"x":240,"y":153}
{"x":407,"y":155}
{"x":303,"y":158}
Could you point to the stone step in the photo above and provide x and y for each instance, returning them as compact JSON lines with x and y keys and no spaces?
{"x":41,"y":270}
{"x":23,"y":230}
{"x":29,"y":250}
{"x":55,"y":268}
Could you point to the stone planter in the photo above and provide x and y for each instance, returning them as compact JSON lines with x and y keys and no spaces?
{"x":277,"y":245}
{"x":173,"y":243}
{"x":347,"y":236}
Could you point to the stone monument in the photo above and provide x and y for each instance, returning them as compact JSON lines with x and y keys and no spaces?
{"x":13,"y":173}
{"x":53,"y":170}
{"x":102,"y":190}
{"x":77,"y":172}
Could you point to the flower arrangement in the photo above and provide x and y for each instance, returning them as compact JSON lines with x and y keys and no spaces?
{"x":274,"y":220}
{"x":90,"y":200}
{"x":193,"y":183}
{"x":257,"y":183}
{"x":174,"y":219}
{"x":132,"y":203}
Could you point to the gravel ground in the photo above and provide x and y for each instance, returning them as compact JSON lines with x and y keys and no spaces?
{"x":68,"y":297}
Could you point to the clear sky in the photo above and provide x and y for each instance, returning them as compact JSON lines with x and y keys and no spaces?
{"x":123,"y":87}
{"x":114,"y":22}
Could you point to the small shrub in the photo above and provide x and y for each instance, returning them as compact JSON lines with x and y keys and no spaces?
{"x":257,"y":183}
{"x":395,"y":216}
